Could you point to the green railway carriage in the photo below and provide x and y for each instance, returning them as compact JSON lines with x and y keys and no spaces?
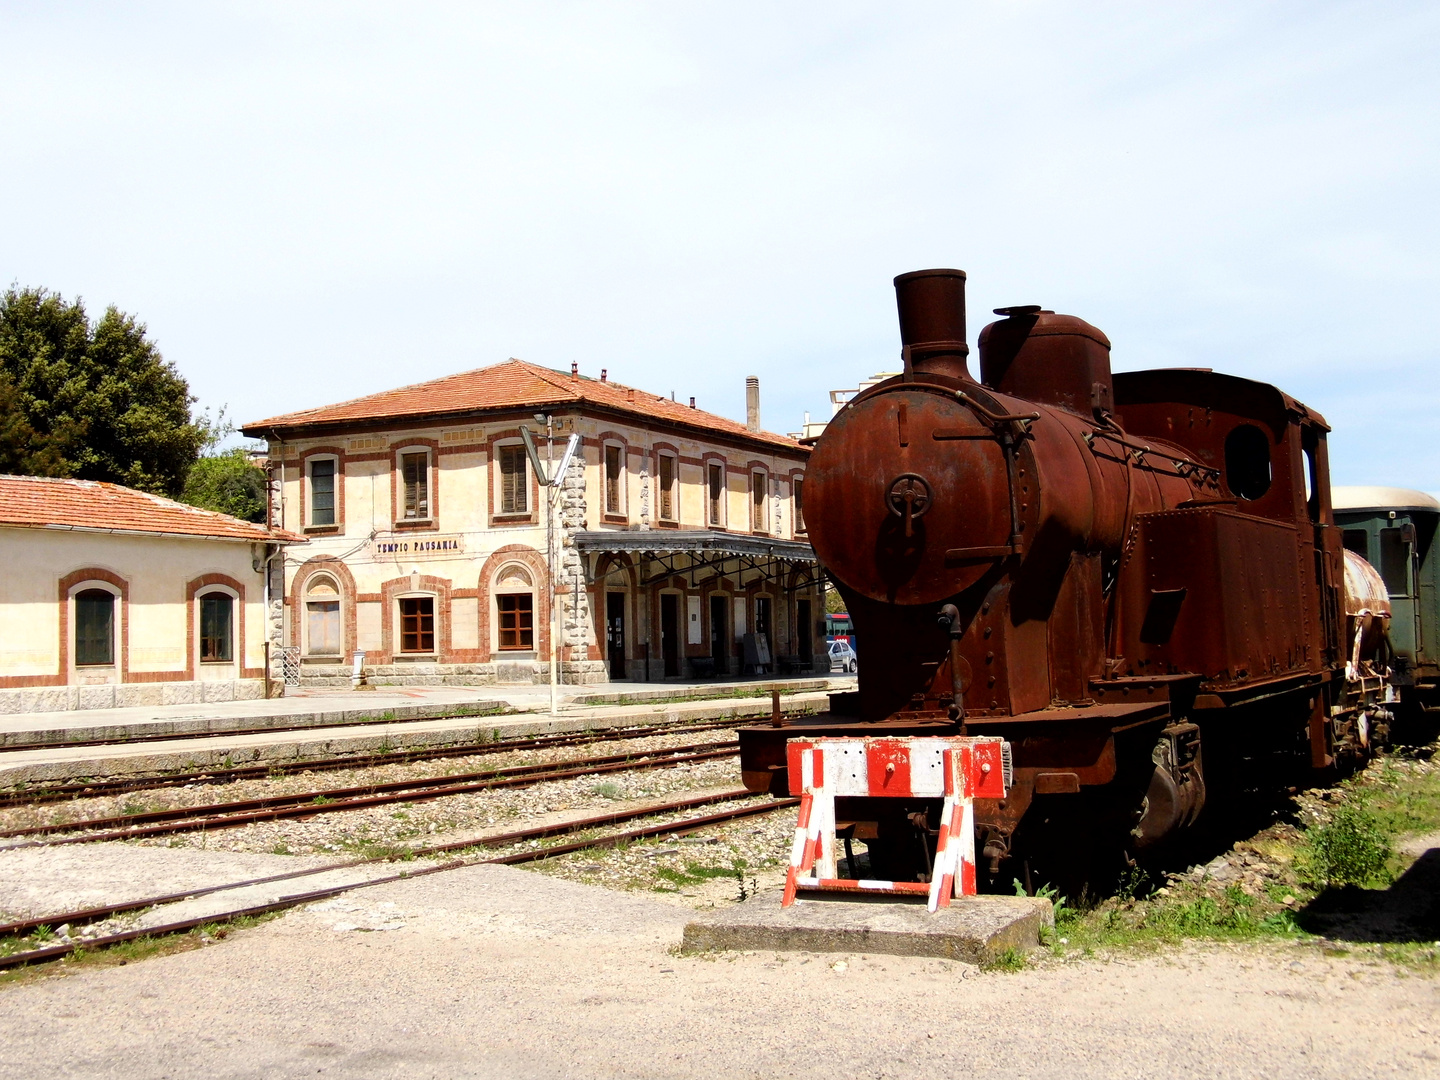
{"x":1394,"y":529}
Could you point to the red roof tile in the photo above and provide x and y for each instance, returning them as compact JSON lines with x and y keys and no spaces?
{"x":513,"y":384}
{"x":37,"y":502}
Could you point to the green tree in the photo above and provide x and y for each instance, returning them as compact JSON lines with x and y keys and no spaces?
{"x":93,"y":401}
{"x":228,"y":481}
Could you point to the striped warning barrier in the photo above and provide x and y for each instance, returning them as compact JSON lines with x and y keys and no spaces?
{"x":958,"y":770}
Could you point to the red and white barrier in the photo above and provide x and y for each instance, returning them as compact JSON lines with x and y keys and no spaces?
{"x":958,"y":770}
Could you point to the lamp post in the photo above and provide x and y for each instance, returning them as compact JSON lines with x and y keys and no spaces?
{"x":550,"y":477}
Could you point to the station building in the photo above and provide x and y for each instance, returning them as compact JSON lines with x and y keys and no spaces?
{"x":672,"y":547}
{"x":113,"y":597}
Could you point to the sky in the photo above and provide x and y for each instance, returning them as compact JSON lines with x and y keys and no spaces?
{"x":306,"y":202}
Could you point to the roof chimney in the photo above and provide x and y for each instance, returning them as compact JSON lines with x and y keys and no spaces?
{"x":602,"y":374}
{"x":752,"y":402}
{"x":692,"y":403}
{"x":574,"y":370}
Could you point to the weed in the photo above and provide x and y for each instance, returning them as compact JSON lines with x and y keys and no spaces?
{"x":321,"y":800}
{"x":694,"y":874}
{"x":607,"y":790}
{"x":281,"y":848}
{"x":1351,"y":849}
{"x":1012,"y":959}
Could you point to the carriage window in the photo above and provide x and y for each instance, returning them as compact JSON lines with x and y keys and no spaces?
{"x":1358,"y":541}
{"x":1247,"y":462}
{"x":1395,"y":562}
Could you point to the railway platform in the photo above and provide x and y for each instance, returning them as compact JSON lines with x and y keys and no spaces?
{"x":52,"y":746}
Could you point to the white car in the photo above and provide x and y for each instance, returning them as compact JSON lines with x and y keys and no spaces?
{"x":842,"y":657}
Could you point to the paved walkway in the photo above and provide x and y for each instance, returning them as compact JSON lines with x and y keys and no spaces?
{"x":498,"y":972}
{"x":325,"y":722}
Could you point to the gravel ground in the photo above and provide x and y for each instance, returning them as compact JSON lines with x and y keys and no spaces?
{"x":722,"y":865}
{"x":491,"y":972}
{"x":370,"y":830}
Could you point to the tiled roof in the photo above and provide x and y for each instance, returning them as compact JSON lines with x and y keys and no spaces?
{"x":37,"y":502}
{"x":513,"y":384}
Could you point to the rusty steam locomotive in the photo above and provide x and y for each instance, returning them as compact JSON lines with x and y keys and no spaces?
{"x":1134,"y":579}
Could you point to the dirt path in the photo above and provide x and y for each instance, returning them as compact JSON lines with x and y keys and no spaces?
{"x":500,"y":972}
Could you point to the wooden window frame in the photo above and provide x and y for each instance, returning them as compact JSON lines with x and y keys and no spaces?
{"x":759,"y":501}
{"x":417,"y":624}
{"x":115,"y":600}
{"x":335,"y":522}
{"x":613,"y":484}
{"x":423,"y":487}
{"x":670,"y":513}
{"x":205,"y":639}
{"x":521,"y":620}
{"x":513,"y":452}
{"x":715,"y":505}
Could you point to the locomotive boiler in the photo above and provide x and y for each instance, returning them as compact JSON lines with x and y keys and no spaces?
{"x":1134,"y":579}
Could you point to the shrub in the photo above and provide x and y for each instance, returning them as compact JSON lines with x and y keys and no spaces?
{"x":1350,"y":850}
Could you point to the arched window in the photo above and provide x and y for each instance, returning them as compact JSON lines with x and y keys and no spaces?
{"x":217,"y":621}
{"x":322,"y":616}
{"x":94,"y":627}
{"x":514,"y":591}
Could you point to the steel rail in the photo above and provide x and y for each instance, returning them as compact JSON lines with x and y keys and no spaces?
{"x":415,"y":792}
{"x":424,"y":851}
{"x":310,"y":798}
{"x":99,"y":788}
{"x":684,"y":827}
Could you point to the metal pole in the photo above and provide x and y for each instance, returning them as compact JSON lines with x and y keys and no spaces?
{"x":550,"y":554}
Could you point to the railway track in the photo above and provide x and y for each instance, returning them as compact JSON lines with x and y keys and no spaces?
{"x":683,"y":827}
{"x":305,"y":804}
{"x":52,"y":793}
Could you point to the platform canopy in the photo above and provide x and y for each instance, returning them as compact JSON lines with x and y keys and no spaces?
{"x":702,"y":554}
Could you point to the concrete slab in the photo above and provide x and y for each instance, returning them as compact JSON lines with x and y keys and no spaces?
{"x":974,"y":929}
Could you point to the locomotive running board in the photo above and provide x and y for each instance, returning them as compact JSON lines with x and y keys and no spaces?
{"x":958,"y":769}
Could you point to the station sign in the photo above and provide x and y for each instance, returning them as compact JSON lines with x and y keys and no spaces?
{"x":422,"y":545}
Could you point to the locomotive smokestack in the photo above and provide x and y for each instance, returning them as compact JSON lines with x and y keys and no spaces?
{"x":752,"y":402}
{"x":932,"y":321}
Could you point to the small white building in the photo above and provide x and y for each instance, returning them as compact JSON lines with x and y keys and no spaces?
{"x":110,"y":597}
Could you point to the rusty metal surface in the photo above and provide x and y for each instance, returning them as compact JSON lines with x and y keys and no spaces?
{"x":1023,"y":548}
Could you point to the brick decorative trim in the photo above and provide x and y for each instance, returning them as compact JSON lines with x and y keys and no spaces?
{"x":533,"y":561}
{"x":397,"y":486}
{"x":327,"y":564}
{"x":492,"y":486}
{"x":192,"y":590}
{"x":338,"y":453}
{"x":390,"y":592}
{"x":67,"y":585}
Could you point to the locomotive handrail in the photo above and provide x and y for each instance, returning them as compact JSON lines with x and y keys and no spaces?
{"x":1184,"y":466}
{"x":1023,"y":419}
